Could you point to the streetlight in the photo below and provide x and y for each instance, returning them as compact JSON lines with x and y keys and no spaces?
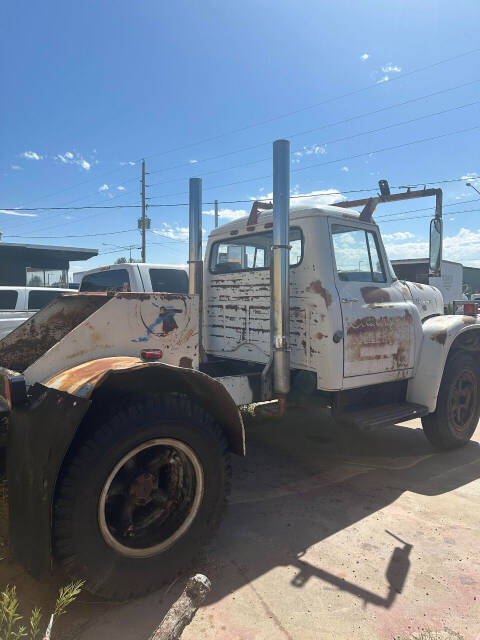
{"x":469,"y":184}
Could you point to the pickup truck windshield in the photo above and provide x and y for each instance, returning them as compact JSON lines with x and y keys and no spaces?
{"x":169,"y":280}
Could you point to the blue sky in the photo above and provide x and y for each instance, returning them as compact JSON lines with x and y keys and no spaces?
{"x":91,"y":87}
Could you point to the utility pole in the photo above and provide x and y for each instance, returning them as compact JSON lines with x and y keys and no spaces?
{"x":144,"y":222}
{"x":216,"y":214}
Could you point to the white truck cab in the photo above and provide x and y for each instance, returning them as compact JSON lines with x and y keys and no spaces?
{"x":136,"y":277}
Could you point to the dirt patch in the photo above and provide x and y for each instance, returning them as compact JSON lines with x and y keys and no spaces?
{"x":317,"y":287}
{"x":374,"y":295}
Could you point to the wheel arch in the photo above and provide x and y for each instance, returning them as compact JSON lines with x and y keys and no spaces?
{"x":442,"y":336}
{"x":108,"y":379}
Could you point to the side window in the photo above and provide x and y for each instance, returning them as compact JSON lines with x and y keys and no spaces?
{"x":108,"y":280}
{"x":251,"y":252}
{"x":357,"y":255}
{"x":38,"y":299}
{"x":8,"y":299}
{"x":169,"y":280}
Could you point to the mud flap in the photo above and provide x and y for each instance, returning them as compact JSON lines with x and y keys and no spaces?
{"x":39,"y":435}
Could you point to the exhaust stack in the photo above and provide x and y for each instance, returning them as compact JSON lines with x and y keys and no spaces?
{"x":195,"y":237}
{"x":280,"y":319}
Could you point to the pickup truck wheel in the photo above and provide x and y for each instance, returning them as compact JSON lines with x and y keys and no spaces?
{"x":458,"y":405}
{"x":137,"y":499}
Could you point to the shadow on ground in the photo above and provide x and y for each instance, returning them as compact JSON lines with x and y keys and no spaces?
{"x":298,"y":485}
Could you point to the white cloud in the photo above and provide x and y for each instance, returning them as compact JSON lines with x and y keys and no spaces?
{"x":193,"y":161}
{"x":9,"y":212}
{"x":104,"y":187}
{"x":398,"y":235}
{"x":365,"y":56}
{"x":471,"y":176}
{"x":31,"y":155}
{"x":174,"y":232}
{"x":314,"y":149}
{"x":389,"y":68}
{"x":129,"y":163}
{"x":121,"y":187}
{"x":16,"y":167}
{"x":345,"y":169}
{"x":227,"y":214}
{"x":73,"y":158}
{"x":316,"y":198}
{"x":462,"y":247}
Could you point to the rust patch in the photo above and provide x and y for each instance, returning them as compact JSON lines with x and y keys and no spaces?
{"x":468,"y":320}
{"x":406,"y":292}
{"x":83,"y":378}
{"x":440,"y":337}
{"x":317,"y":287}
{"x":375,"y":295}
{"x":320,"y":335}
{"x":186,"y":363}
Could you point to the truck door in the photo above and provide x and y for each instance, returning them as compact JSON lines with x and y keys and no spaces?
{"x":378,"y":331}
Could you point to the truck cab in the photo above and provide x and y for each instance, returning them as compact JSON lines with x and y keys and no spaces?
{"x":352,"y":322}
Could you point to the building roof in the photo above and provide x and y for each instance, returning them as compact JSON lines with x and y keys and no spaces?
{"x":68,"y":253}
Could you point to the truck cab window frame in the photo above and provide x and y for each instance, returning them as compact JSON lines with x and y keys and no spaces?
{"x":251,"y":252}
{"x":357,"y":254}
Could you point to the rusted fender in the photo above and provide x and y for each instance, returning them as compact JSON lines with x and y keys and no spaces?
{"x":440,"y":334}
{"x":130,"y":374}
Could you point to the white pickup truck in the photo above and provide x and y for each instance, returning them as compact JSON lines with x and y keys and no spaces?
{"x":135,"y":277}
{"x":17,"y":304}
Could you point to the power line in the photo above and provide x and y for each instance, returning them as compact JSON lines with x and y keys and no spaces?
{"x":328,"y":142}
{"x":317,"y":104}
{"x":185,"y":204}
{"x":84,"y":235}
{"x":275,"y":118}
{"x":321,"y":164}
{"x":452,"y":213}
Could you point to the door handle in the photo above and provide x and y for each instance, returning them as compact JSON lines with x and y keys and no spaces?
{"x":349,"y":300}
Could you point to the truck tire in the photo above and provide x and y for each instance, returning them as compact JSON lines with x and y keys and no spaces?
{"x":136,"y":500}
{"x":458,"y":404}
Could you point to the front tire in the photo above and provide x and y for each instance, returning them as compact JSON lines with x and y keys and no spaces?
{"x":138,"y":498}
{"x":458,"y":404}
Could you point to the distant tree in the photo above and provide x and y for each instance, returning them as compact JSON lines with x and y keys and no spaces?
{"x":35,"y":281}
{"x":121,"y":260}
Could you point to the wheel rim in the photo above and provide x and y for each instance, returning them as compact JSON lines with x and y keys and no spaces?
{"x":462,"y":400}
{"x":151,"y":497}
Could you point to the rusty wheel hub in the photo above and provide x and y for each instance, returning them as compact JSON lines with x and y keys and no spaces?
{"x":462,"y":401}
{"x":151,"y":497}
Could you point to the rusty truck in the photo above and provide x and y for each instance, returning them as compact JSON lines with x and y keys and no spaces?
{"x":120,"y":410}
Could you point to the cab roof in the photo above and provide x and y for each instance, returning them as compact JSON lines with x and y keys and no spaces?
{"x":266,"y":218}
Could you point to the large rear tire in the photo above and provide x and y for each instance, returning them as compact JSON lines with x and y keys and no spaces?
{"x":458,"y":404}
{"x":140,"y":496}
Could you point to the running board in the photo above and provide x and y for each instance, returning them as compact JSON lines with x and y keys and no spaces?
{"x":384,"y":415}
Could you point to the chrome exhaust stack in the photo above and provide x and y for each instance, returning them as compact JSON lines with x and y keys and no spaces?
{"x":280,"y":310}
{"x":195,"y":264}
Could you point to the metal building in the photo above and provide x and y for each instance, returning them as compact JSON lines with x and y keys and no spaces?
{"x":38,"y":265}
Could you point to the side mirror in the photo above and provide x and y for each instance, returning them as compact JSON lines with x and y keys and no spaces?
{"x":436,"y":241}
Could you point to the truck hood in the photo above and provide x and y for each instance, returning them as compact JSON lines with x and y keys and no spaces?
{"x":427,"y":299}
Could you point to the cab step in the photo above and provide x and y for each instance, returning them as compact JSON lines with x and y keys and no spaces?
{"x":384,"y":415}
